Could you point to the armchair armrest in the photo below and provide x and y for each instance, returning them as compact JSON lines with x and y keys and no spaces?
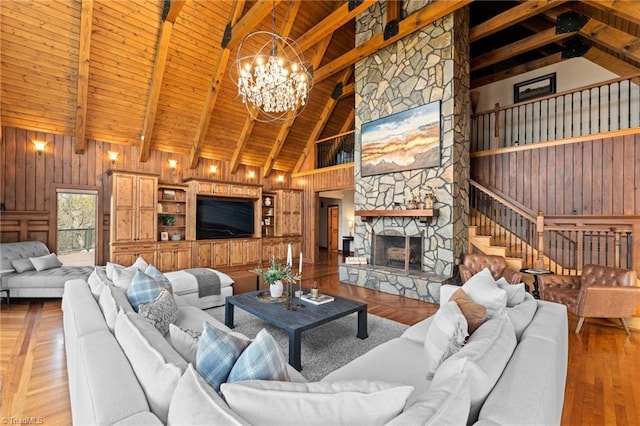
{"x":512,"y":276}
{"x":607,"y":301}
{"x":465,"y":273}
{"x":546,"y":283}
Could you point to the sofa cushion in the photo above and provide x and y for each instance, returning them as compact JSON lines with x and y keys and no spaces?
{"x":482,"y":359}
{"x":445,"y":403}
{"x":522,"y":314}
{"x":196,"y":403}
{"x":446,"y":291}
{"x":160,"y":312}
{"x":261,"y":360}
{"x":109,"y":307}
{"x":48,"y":261}
{"x":398,"y":360}
{"x":515,"y":292}
{"x":483,"y":289}
{"x":316,"y":403}
{"x":143,"y":289}
{"x":22,"y":265}
{"x":122,"y":277}
{"x":418,"y":331}
{"x":110,"y":391}
{"x":217,"y":353}
{"x":474,"y":313}
{"x":445,"y":337}
{"x":157,"y":377}
{"x":185,"y":342}
{"x":81,"y":312}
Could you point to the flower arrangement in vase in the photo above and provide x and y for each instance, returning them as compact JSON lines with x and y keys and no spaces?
{"x":275,"y":274}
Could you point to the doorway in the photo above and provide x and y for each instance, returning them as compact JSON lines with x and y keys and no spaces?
{"x":333,"y":228}
{"x":77,"y":212}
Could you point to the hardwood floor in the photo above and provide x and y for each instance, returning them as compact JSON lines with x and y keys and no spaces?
{"x":603,"y":382}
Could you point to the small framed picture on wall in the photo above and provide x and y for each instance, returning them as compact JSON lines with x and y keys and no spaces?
{"x":164,"y":236}
{"x":534,"y":88}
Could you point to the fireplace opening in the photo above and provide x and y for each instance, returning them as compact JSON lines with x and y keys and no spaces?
{"x":398,"y":252}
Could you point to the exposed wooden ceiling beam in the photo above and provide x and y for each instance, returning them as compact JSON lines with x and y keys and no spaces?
{"x":249,"y":121}
{"x":409,"y":25}
{"x":322,"y":121}
{"x":86,"y":17}
{"x":348,"y":90}
{"x":611,"y":63}
{"x":331,"y":23}
{"x":511,"y":17}
{"x":175,"y":6}
{"x":349,"y":121}
{"x":619,"y":41}
{"x":514,"y":49}
{"x":321,"y":49}
{"x":239,"y":30}
{"x":394,"y":10}
{"x":517,"y":70}
{"x":627,"y":10}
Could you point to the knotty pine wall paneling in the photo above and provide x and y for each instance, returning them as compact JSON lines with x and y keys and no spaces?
{"x":28,"y":179}
{"x":594,"y":177}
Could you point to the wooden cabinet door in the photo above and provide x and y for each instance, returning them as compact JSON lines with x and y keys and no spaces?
{"x":147,"y":198}
{"x":182,"y":258}
{"x":203,"y":257}
{"x":251,"y":252}
{"x":165,"y":260}
{"x":295,"y":202}
{"x":295,"y":224}
{"x":220,"y":253}
{"x":236,"y":252}
{"x":123,"y":202}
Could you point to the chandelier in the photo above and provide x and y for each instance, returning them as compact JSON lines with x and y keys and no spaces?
{"x":273,"y":81}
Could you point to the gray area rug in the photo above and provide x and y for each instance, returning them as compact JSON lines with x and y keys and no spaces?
{"x":324,"y":348}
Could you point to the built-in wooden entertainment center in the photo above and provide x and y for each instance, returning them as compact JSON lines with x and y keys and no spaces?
{"x":157,"y":221}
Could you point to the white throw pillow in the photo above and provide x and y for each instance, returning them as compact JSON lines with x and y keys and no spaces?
{"x":515,"y":292}
{"x":196,"y":403}
{"x":122,"y":277}
{"x":95,"y":284}
{"x":185,"y":342}
{"x":446,"y":291}
{"x":49,"y":261}
{"x":483,"y":289}
{"x":445,"y":337}
{"x":112,"y":267}
{"x":359,"y":402}
{"x":140,"y":264}
{"x":22,"y":265}
{"x":522,"y":314}
{"x":157,"y":377}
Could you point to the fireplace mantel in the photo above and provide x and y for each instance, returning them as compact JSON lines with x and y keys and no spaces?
{"x":423,"y":215}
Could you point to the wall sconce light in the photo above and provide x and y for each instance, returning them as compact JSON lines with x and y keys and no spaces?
{"x":213,"y":169}
{"x":113,"y":156}
{"x":252,"y":174}
{"x":280,"y":178}
{"x":173,"y":164}
{"x":40,"y":146}
{"x":350,"y":228}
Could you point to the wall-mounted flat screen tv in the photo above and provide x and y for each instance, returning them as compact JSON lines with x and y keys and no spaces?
{"x":223,"y":218}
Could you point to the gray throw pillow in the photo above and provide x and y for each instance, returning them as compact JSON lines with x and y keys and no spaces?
{"x":48,"y":261}
{"x":22,"y":265}
{"x":161,"y":312}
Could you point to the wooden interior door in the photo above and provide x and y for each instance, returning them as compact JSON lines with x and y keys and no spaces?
{"x":333,"y":227}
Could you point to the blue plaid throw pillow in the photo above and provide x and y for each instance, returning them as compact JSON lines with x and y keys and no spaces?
{"x":217,"y":353}
{"x":262,"y":360}
{"x":143,"y":289}
{"x":153,"y":272}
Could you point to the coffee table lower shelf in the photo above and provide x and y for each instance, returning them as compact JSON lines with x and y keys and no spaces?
{"x":295,"y":322}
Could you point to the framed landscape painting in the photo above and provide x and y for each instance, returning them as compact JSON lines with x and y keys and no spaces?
{"x":407,"y":140}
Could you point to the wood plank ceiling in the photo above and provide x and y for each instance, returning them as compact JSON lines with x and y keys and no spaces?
{"x":154,"y":72}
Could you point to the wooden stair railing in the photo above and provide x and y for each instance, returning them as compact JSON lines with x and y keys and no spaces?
{"x":562,"y":244}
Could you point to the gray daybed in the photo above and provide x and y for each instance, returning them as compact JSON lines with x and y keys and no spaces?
{"x":46,"y":282}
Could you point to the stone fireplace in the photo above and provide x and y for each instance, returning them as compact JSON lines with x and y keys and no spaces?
{"x":395,"y":251}
{"x":406,"y":255}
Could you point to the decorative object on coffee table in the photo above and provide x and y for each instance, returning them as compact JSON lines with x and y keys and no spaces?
{"x":276,"y":275}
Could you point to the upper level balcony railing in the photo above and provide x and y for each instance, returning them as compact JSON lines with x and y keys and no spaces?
{"x":335,"y":150}
{"x":598,"y":108}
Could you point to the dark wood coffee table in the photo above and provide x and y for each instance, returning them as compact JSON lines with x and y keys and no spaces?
{"x":295,"y":322}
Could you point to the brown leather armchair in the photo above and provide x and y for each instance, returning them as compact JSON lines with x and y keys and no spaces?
{"x":600,"y":292}
{"x":474,"y":263}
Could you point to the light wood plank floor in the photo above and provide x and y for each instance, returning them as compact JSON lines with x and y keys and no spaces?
{"x":603,"y":383}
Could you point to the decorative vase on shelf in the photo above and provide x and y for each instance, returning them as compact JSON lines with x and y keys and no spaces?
{"x":276,"y":289}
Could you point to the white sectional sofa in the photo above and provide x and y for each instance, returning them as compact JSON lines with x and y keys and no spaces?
{"x":511,"y":371}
